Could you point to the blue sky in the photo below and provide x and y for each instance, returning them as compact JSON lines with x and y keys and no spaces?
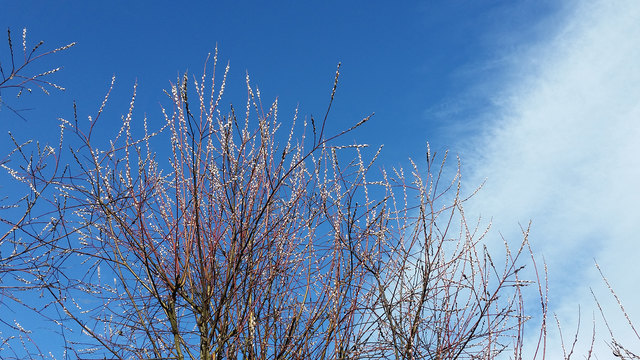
{"x":538,"y":97}
{"x":414,"y":65}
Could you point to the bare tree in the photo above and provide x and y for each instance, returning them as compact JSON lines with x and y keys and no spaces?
{"x":18,"y":76}
{"x":24,"y":251}
{"x":437,"y":291}
{"x":235,"y":241}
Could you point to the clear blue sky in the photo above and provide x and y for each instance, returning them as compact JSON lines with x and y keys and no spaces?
{"x":539,"y":97}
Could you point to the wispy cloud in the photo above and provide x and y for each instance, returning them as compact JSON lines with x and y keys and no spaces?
{"x":562,"y":148}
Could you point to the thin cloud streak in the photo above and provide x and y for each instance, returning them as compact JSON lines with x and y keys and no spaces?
{"x":563,"y":150}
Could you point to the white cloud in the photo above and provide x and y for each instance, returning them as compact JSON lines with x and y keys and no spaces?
{"x":563,"y":149}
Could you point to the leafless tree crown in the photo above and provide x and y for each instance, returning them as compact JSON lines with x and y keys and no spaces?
{"x":222,"y":236}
